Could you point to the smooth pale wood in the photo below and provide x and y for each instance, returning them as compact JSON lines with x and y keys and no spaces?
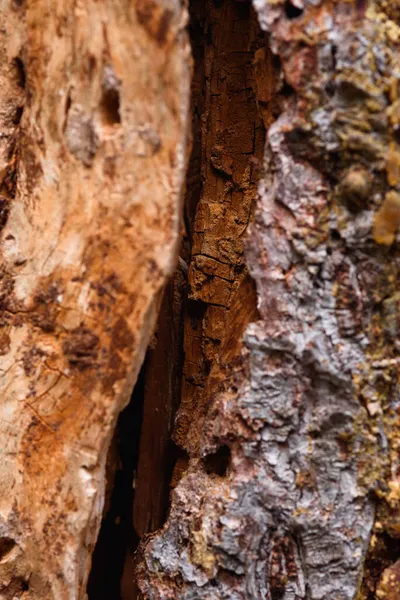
{"x":92,"y":174}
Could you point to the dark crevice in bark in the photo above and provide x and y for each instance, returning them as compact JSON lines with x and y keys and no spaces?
{"x":230,"y":110}
{"x":233,"y":104}
{"x":161,"y":461}
{"x":117,"y":537}
{"x":292,"y":11}
{"x":142,"y":452}
{"x":228,"y":136}
{"x":218,"y":462}
{"x":20,"y":72}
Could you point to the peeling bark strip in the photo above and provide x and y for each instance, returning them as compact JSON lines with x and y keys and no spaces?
{"x":310,"y":414}
{"x":94,"y":118}
{"x":232,"y":139}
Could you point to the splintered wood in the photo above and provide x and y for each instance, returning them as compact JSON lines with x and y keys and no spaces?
{"x":94,"y":105}
{"x":232,"y":138}
{"x":292,"y":486}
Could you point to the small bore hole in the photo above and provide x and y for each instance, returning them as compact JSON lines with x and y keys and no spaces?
{"x":110,"y":106}
{"x":20,"y":72}
{"x":218,"y":462}
{"x":91,"y":64}
{"x":6,"y":545}
{"x":287,"y":90}
{"x":291,"y":11}
{"x":68,"y":103}
{"x":18,"y":115}
{"x":396,"y":134}
{"x":4,"y":212}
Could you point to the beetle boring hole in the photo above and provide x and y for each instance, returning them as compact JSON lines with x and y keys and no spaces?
{"x":18,"y":115}
{"x":20,"y":72}
{"x":396,"y":134}
{"x":110,"y":106}
{"x":291,"y":11}
{"x":6,"y":545}
{"x":68,"y":103}
{"x":335,"y":235}
{"x":286,"y":91}
{"x":4,"y":211}
{"x":218,"y":462}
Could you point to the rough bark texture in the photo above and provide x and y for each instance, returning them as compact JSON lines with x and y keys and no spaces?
{"x":163,"y":374}
{"x":232,"y":139}
{"x":304,"y":420}
{"x":94,"y":118}
{"x":288,"y":483}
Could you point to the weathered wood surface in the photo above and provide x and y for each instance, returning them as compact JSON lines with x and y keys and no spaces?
{"x":309,"y":412}
{"x":94,"y":103}
{"x":232,"y":139}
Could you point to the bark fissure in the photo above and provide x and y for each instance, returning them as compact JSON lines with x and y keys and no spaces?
{"x":308,"y":409}
{"x":117,"y":538}
{"x":228,"y":128}
{"x":231,"y":110}
{"x":262,"y":438}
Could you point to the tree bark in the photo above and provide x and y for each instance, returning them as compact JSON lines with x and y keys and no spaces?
{"x":292,"y":489}
{"x":94,"y":110}
{"x":281,"y":348}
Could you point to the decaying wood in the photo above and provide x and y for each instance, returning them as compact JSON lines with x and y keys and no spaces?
{"x":162,"y":376}
{"x":94,"y":119}
{"x":289,"y":418}
{"x":305,"y":420}
{"x":232,"y":139}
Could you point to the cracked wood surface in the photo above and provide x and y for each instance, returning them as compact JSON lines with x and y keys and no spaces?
{"x":232,"y":140}
{"x":94,"y":119}
{"x":307,"y":506}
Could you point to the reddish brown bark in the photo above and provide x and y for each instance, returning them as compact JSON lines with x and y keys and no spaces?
{"x":292,"y":485}
{"x":287,"y":486}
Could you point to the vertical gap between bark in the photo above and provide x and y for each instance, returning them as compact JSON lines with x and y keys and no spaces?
{"x":151,"y":450}
{"x":117,"y":536}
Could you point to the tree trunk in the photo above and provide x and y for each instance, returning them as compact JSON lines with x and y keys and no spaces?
{"x":93,"y":107}
{"x":291,"y":489}
{"x":268,"y":460}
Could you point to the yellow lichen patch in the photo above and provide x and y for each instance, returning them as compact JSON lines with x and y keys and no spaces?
{"x":355,"y":186}
{"x":389,"y":585}
{"x":393,"y":165}
{"x":386,"y":12}
{"x":394,"y":113}
{"x":387,"y":219}
{"x":393,"y":497}
{"x":394,"y":89}
{"x":201,"y":554}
